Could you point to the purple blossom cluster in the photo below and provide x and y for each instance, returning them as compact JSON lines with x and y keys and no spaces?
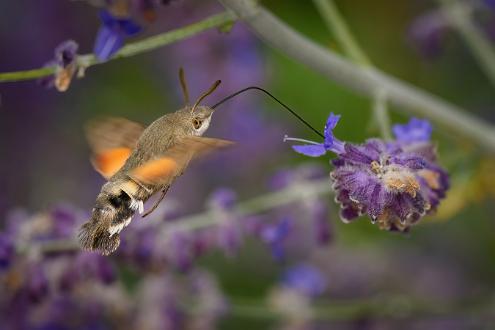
{"x":394,"y":182}
{"x":119,"y":22}
{"x":122,"y":19}
{"x":47,"y":282}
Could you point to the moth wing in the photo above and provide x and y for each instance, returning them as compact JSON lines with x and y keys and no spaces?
{"x":112,"y":140}
{"x":162,"y":169}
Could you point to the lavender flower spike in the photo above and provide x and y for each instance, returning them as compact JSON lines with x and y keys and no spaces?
{"x":395,"y":183}
{"x":315,"y":149}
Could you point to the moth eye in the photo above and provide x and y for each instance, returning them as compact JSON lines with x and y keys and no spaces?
{"x":196,"y":123}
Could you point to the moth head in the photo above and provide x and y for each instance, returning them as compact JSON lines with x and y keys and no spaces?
{"x":200,"y":119}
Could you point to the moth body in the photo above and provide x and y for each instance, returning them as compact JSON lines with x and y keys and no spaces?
{"x":160,"y":154}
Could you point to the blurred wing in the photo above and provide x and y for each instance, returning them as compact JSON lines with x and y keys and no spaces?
{"x":161,"y":170}
{"x":111,"y":141}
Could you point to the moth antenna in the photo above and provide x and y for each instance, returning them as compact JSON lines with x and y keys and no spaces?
{"x":274,"y":98}
{"x":205,"y":94}
{"x":183,"y":84}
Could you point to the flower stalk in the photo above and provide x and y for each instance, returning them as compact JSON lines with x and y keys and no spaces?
{"x":459,"y":13}
{"x":292,"y":194}
{"x":336,"y":23}
{"x":132,"y":49}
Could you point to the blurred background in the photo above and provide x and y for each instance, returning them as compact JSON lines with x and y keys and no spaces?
{"x":293,"y":267}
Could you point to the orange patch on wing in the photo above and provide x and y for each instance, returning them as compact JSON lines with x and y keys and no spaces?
{"x":111,"y":160}
{"x":155,"y":170}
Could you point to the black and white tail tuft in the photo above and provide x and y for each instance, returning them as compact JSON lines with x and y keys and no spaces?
{"x":109,"y":217}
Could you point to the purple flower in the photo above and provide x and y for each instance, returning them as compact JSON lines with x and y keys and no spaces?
{"x":395,"y":183}
{"x":36,"y":283}
{"x":305,"y":279}
{"x":66,"y":53}
{"x":91,"y":265}
{"x":275,"y":235}
{"x":223,"y":198}
{"x":6,"y":251}
{"x":321,"y":224}
{"x":64,"y":220}
{"x":314,"y":149}
{"x":65,"y":63}
{"x":416,"y":130}
{"x":110,"y":37}
{"x":427,"y":33}
{"x":180,"y":250}
{"x":229,"y":236}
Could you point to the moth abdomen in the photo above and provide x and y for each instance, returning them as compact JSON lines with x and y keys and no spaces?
{"x":111,"y":214}
{"x":93,"y":238}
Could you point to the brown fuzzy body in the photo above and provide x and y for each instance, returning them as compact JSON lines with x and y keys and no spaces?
{"x":124,"y":193}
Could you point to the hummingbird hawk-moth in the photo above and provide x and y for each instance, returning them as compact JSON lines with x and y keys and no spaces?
{"x":140,"y":162}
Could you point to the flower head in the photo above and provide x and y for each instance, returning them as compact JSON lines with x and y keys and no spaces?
{"x":394,"y":182}
{"x":110,"y":37}
{"x":66,"y":66}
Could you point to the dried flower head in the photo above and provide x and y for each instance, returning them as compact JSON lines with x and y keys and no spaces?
{"x":66,"y":66}
{"x":394,"y":182}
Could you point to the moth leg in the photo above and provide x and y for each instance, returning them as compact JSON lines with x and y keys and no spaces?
{"x":164,"y":192}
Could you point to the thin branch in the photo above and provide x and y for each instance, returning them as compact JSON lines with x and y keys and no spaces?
{"x":292,"y":194}
{"x":336,"y":23}
{"x":460,"y":15}
{"x":132,"y":49}
{"x":389,"y":306}
{"x":362,"y":80}
{"x":380,"y":110}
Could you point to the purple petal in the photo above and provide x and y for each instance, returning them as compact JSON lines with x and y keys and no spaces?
{"x":311,"y":150}
{"x":108,"y":42}
{"x":306,"y":279}
{"x":129,"y":27}
{"x":66,"y":53}
{"x":331,"y":123}
{"x":223,"y":198}
{"x":331,"y":143}
{"x":416,"y":130}
{"x":108,"y":19}
{"x":411,"y":161}
{"x":349,"y":213}
{"x":357,"y":154}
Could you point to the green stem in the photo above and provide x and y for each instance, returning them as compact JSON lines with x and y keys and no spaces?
{"x":336,"y":24}
{"x":391,"y":307}
{"x":293,"y":194}
{"x":381,"y":113}
{"x":460,"y":15}
{"x":364,"y":81}
{"x":132,"y":49}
